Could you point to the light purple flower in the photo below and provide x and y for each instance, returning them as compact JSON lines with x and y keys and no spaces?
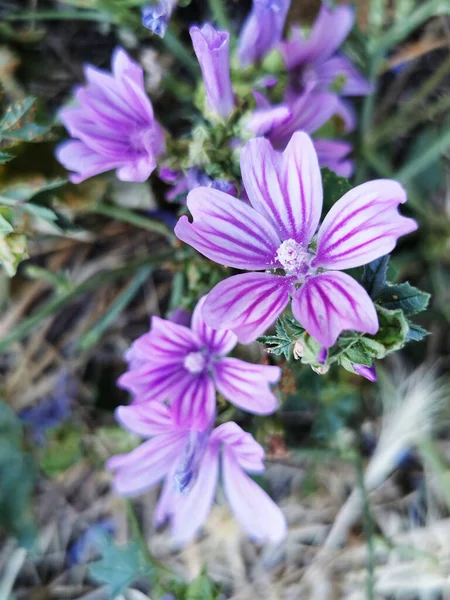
{"x":114,"y":125}
{"x":212,"y":49}
{"x":315,"y":61}
{"x":276,"y":233}
{"x":156,"y":16}
{"x":262,"y":30}
{"x":185,"y":182}
{"x":334,"y":155}
{"x":367,"y":372}
{"x":189,"y":462}
{"x":187,"y":366}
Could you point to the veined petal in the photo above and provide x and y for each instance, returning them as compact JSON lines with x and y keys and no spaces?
{"x":194,"y":404}
{"x":165,"y":342}
{"x":76,"y":156}
{"x":228,"y":231}
{"x":147,"y":465}
{"x":190,"y":511}
{"x":247,"y":304}
{"x":158,"y":381}
{"x":248,"y":453}
{"x":146,"y":419}
{"x":138,"y":169}
{"x":265,"y":120}
{"x":333,"y":302}
{"x":333,"y":154}
{"x":284,"y":187}
{"x":246,"y":385}
{"x":256,"y":512}
{"x":341,"y":66}
{"x":217,"y":342}
{"x":362,"y":226}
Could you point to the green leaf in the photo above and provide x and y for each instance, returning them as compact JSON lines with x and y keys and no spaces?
{"x":17,"y":476}
{"x":393,"y":329}
{"x":359,"y":354}
{"x":5,"y":157}
{"x":416,"y":333}
{"x":374,"y":276}
{"x":22,"y":122}
{"x":119,"y":566}
{"x":15,"y":112}
{"x":334,"y":187}
{"x":13,"y":249}
{"x":62,"y":451}
{"x":288,"y":330}
{"x":405,"y":297}
{"x":5,"y":226}
{"x":202,"y":588}
{"x":20,"y":192}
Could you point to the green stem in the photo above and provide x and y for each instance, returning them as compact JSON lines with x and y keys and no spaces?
{"x":421,"y":162}
{"x":56,"y":15}
{"x":368,"y":530}
{"x":220,"y":15}
{"x":173,"y":44}
{"x":58,"y":302}
{"x":109,"y":317}
{"x":133,"y":218}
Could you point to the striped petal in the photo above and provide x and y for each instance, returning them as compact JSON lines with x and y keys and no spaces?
{"x":284,"y":187}
{"x":145,"y":419}
{"x":218,"y":342}
{"x":228,"y":231}
{"x":194,"y":404}
{"x":333,"y":302}
{"x":362,"y":226}
{"x":247,"y":304}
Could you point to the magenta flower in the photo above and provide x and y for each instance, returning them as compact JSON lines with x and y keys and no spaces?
{"x":114,"y":125}
{"x":367,"y":372}
{"x":156,"y":16}
{"x":262,"y":30}
{"x":187,"y":366}
{"x":276,"y":233}
{"x":188,"y":462}
{"x":212,"y":49}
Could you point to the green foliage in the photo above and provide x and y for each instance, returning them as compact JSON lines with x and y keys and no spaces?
{"x":374,"y":276}
{"x":17,"y":475}
{"x":334,"y":187}
{"x":405,"y":297}
{"x":287,"y":331}
{"x":63,"y":450}
{"x":13,"y":249}
{"x":23,"y":122}
{"x":119,"y":566}
{"x":202,"y":588}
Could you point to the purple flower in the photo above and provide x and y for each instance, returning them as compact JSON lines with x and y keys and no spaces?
{"x":276,"y":233}
{"x":262,"y":30}
{"x":185,"y":182}
{"x":187,"y":366}
{"x":156,"y":16}
{"x":114,"y":125}
{"x":212,"y":49}
{"x":307,"y":112}
{"x":315,"y":61}
{"x":188,"y":462}
{"x":367,"y":372}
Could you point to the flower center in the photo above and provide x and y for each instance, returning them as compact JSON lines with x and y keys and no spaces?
{"x":195,"y":362}
{"x":293,"y":257}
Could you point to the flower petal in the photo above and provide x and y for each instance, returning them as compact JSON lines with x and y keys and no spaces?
{"x":284,"y":187}
{"x":146,"y":419}
{"x":228,"y":231}
{"x":341,"y":66}
{"x":256,"y":512}
{"x":217,"y":342}
{"x":246,"y":385}
{"x":157,"y":381}
{"x":248,"y":453}
{"x":333,"y":154}
{"x":190,"y":511}
{"x":147,"y":465}
{"x":332,"y":302}
{"x":369,"y":373}
{"x":363,"y":225}
{"x":194,"y":404}
{"x":247,"y":304}
{"x":76,"y":156}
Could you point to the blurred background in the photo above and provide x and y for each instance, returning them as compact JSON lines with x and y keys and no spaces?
{"x":93,"y":269}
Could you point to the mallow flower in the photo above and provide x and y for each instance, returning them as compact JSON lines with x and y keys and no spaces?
{"x":263,"y":30}
{"x":212,"y":48}
{"x":186,"y":366}
{"x":113,"y":125}
{"x":156,"y":16}
{"x":184,"y":182}
{"x":307,"y":112}
{"x":277,"y":235}
{"x":315,"y":60}
{"x":188,"y":462}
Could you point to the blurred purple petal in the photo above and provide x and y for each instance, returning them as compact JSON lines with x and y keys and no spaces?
{"x":156,"y":16}
{"x":367,"y":372}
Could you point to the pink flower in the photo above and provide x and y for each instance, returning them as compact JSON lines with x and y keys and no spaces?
{"x":114,"y":125}
{"x":188,"y":462}
{"x":276,"y":234}
{"x":187,"y":365}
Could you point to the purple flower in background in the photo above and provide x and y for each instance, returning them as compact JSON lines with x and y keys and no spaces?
{"x":262,"y":30}
{"x":188,"y":462}
{"x":315,"y":61}
{"x":212,"y":49}
{"x":183,"y":183}
{"x":114,"y":125}
{"x":307,"y":112}
{"x":187,"y":366}
{"x":156,"y":16}
{"x":367,"y":372}
{"x":275,"y":233}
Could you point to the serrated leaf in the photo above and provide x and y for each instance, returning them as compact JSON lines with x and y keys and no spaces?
{"x":334,"y":187}
{"x":416,"y":333}
{"x":374,"y":276}
{"x":119,"y":566}
{"x":405,"y":297}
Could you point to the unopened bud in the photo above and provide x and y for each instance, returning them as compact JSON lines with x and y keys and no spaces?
{"x":299,"y":349}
